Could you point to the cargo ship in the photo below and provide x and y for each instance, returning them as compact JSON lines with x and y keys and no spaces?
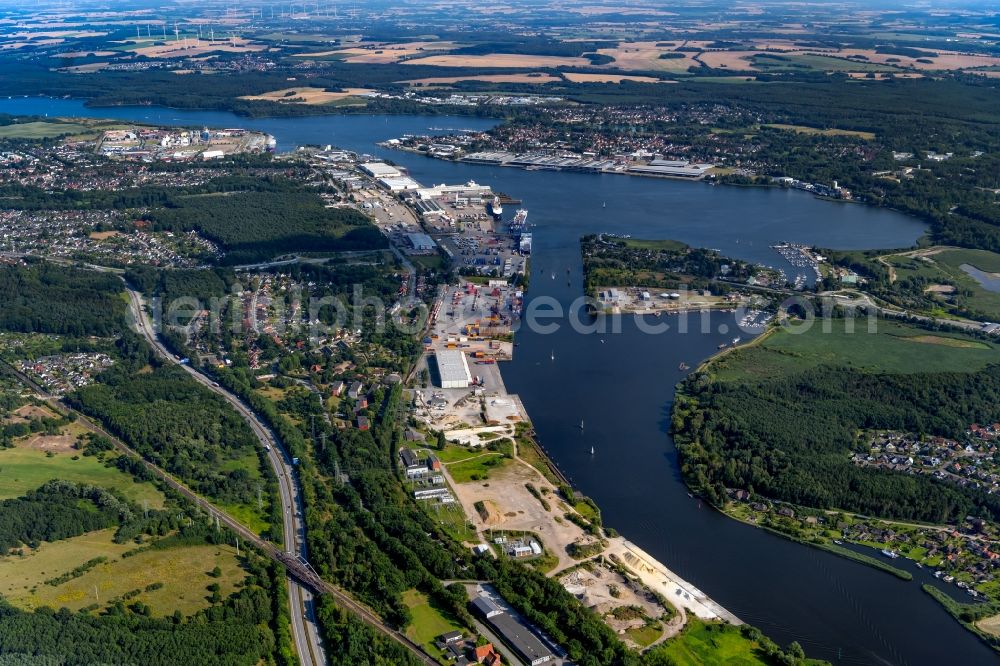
{"x":496,"y":210}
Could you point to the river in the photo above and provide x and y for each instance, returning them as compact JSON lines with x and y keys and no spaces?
{"x":623,"y":383}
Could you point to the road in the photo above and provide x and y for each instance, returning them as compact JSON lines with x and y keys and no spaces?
{"x":303,"y":579}
{"x":308,"y":644}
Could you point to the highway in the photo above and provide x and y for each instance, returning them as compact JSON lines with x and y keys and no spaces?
{"x":305,"y":632}
{"x":304,"y":582}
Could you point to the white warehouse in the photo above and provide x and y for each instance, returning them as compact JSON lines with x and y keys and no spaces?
{"x":453,"y":367}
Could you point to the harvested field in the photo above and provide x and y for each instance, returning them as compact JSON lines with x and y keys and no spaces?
{"x":195,"y":46}
{"x":84,"y":54}
{"x":380,"y":54}
{"x":802,"y":129}
{"x":610,"y":78}
{"x":501,"y":60}
{"x":530,"y":77}
{"x":645,"y":56}
{"x":728,"y":59}
{"x":950,"y":60}
{"x":306,"y":95}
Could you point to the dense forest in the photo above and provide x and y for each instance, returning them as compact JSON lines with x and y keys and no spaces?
{"x":47,"y":298}
{"x":58,"y":510}
{"x":178,"y":424}
{"x":253,"y":226}
{"x":615,"y":262}
{"x":790,"y":438}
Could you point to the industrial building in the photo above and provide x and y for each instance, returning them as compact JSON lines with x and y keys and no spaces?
{"x":399,"y":183}
{"x":453,"y":368}
{"x":515,"y":632}
{"x":421,"y":242}
{"x":380,"y":170}
{"x":671,"y":168}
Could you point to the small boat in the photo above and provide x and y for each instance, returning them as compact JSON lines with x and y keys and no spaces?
{"x":722,"y":346}
{"x":591,"y":450}
{"x":683,"y":366}
{"x":736,"y":340}
{"x":838,"y":542}
{"x":890,"y":554}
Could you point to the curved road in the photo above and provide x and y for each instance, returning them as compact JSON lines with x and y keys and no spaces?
{"x":303,"y":579}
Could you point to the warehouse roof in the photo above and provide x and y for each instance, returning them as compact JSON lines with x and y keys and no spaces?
{"x":453,"y":366}
{"x":380,"y":169}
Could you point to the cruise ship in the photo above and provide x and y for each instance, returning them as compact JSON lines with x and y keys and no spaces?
{"x":496,"y":210}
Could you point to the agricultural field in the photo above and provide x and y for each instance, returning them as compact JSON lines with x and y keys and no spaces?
{"x":802,"y":129}
{"x":895,"y":348}
{"x":307,"y":95}
{"x":646,"y":56}
{"x":576,"y":77}
{"x":500,"y":61}
{"x":40,"y":130}
{"x":528,"y":77}
{"x":26,"y":467}
{"x":379,"y":53}
{"x":770,"y":62}
{"x":189,"y":46}
{"x":171,"y":578}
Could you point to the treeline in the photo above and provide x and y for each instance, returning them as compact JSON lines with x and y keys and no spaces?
{"x":58,"y":510}
{"x":790,"y":438}
{"x":46,"y":298}
{"x":253,"y":226}
{"x":235,"y":632}
{"x":611,"y":262}
{"x":177,"y":424}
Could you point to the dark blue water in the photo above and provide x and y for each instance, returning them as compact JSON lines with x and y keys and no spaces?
{"x":988,"y":281}
{"x":623,"y":386}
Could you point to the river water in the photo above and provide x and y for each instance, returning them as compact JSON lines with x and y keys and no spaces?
{"x":622,"y":384}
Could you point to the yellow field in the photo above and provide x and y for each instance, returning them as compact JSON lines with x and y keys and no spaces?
{"x":381,"y":53}
{"x":610,"y":78}
{"x":183,"y":571}
{"x":500,"y":60}
{"x":645,"y":56}
{"x":306,"y":95}
{"x":175,"y":49}
{"x":728,"y":59}
{"x":950,"y":60}
{"x":530,"y":77}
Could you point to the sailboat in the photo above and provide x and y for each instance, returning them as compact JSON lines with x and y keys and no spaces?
{"x":553,"y":355}
{"x":591,"y":450}
{"x":581,"y":424}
